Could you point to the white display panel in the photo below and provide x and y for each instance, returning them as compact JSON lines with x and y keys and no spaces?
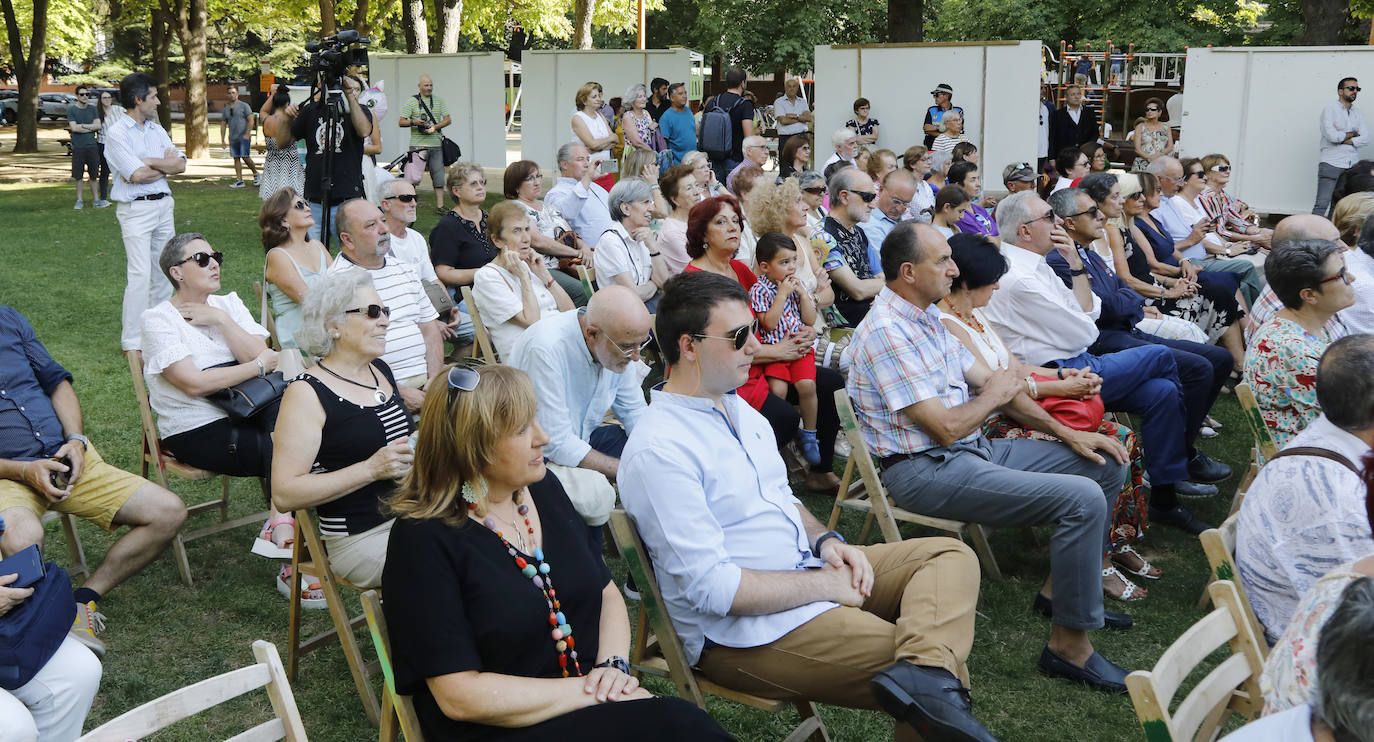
{"x":1261,"y":107}
{"x":473,"y":86}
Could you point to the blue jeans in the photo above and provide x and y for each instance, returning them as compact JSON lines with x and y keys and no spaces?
{"x":609,"y":439}
{"x":317,"y":211}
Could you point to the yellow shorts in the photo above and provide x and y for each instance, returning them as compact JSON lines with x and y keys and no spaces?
{"x":100,"y":492}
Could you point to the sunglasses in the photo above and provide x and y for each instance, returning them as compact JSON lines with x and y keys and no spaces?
{"x":1355,"y":88}
{"x":739,"y":336}
{"x":1091,"y":211}
{"x":1221,"y":168}
{"x":1154,"y":109}
{"x":1137,"y":196}
{"x":300,"y":205}
{"x":867,"y":196}
{"x":815,"y":191}
{"x":463,"y":379}
{"x":203,"y":259}
{"x":1021,"y":166}
{"x":405,"y":198}
{"x":1185,"y":178}
{"x":1048,"y":216}
{"x":373,"y":311}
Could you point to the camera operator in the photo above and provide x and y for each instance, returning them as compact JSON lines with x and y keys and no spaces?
{"x":352,"y":127}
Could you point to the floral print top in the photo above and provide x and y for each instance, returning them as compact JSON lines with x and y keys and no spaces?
{"x":1290,"y":671}
{"x":1281,"y":369}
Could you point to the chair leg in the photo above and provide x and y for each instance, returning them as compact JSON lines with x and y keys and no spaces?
{"x":1205,"y":599}
{"x":293,"y":655}
{"x":224,"y":498}
{"x":388,"y":729}
{"x":983,"y":549}
{"x":843,"y":493}
{"x":74,"y":550}
{"x":869,"y":520}
{"x":641,"y":638}
{"x":343,"y":625}
{"x":811,"y":727}
{"x":183,"y":564}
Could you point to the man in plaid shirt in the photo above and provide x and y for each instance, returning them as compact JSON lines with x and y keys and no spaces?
{"x":921,"y":398}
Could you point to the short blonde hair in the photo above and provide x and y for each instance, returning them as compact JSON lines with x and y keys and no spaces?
{"x":458,"y":436}
{"x":585,"y":92}
{"x":769,"y":204}
{"x":503,"y":215}
{"x":694,"y":158}
{"x":458,"y":173}
{"x":1350,"y":215}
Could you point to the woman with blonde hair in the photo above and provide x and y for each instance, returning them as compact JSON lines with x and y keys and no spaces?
{"x":706,"y":177}
{"x":880,"y":163}
{"x":1239,"y":222}
{"x":505,"y":623}
{"x":590,"y":128}
{"x":516,"y":289}
{"x":1350,"y":215}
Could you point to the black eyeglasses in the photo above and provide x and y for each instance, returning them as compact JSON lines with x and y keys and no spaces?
{"x":739,"y":336}
{"x":463,"y":379}
{"x":815,"y":191}
{"x":867,"y":196}
{"x":1221,"y":168}
{"x":301,"y":205}
{"x":1355,"y":88}
{"x":1091,"y":211}
{"x":203,"y":259}
{"x":405,"y":198}
{"x":1197,"y":173}
{"x":373,"y":311}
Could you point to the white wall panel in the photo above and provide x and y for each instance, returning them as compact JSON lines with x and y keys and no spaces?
{"x":474,"y":87}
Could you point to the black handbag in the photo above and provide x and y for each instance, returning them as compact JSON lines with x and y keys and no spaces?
{"x":450,"y":149}
{"x":246,"y":399}
{"x":31,"y":633}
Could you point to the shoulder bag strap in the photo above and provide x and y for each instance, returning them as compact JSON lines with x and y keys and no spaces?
{"x":428,"y":112}
{"x":1320,"y":453}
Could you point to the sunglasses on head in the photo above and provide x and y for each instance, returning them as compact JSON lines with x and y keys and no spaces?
{"x":405,"y":198}
{"x":203,"y":259}
{"x":1021,"y":166}
{"x":739,"y":336}
{"x":373,"y":311}
{"x":867,"y":196}
{"x":463,"y":379}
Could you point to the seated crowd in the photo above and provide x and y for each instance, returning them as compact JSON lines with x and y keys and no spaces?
{"x":984,"y":340}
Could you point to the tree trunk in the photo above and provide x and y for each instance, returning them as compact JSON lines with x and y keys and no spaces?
{"x":582,"y":23}
{"x":1324,"y":22}
{"x":360,"y":18}
{"x":449,"y":24}
{"x":413,"y":18}
{"x":194,"y":44}
{"x":328,"y":25}
{"x":162,"y":42}
{"x":905,"y":20}
{"x":28,"y":69}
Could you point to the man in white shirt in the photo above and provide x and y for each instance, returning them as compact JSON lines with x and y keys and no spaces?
{"x":398,"y":202}
{"x":581,"y":201}
{"x":141,"y":156}
{"x":792,"y":112}
{"x":1305,"y":513}
{"x":1343,"y":133}
{"x":765,"y":599}
{"x":414,"y":344}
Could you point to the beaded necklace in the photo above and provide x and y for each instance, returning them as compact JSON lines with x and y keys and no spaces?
{"x":971,"y":319}
{"x":561,"y":632}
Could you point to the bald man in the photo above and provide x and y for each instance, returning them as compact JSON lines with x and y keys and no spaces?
{"x":580,"y":363}
{"x":427,"y":114}
{"x":1295,"y":227}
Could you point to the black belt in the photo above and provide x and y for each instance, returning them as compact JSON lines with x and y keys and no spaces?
{"x":151,"y":197}
{"x":887,"y":462}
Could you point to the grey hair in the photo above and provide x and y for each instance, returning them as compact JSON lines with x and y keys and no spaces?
{"x":343,"y":218}
{"x":691,"y":159}
{"x":1065,"y":201}
{"x":324,"y":308}
{"x":841,"y":181}
{"x":171,"y":253}
{"x":632,"y":92}
{"x":842,"y":135}
{"x":565,"y":153}
{"x":1158,"y":167}
{"x":1345,"y":666}
{"x":627,"y":191}
{"x":388,"y":188}
{"x":808,"y":178}
{"x":1098,"y":186}
{"x":939,"y":162}
{"x":1345,"y":383}
{"x":673,"y":88}
{"x":1012,"y":212}
{"x":1294,"y":265}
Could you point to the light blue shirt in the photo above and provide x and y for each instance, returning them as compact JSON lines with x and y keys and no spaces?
{"x":574,"y":391}
{"x":680,"y":131}
{"x":878,"y":227}
{"x":710,"y":498}
{"x":1177,"y":227}
{"x":587,"y":208}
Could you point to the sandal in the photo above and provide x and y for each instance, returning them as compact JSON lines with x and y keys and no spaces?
{"x":1229,"y":386}
{"x":1129,"y":594}
{"x":267,"y":545}
{"x":312,"y":596}
{"x":1122,"y":557}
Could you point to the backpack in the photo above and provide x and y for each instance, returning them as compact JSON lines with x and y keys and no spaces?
{"x":717,"y":134}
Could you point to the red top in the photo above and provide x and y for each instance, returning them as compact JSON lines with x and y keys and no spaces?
{"x":747,"y":277}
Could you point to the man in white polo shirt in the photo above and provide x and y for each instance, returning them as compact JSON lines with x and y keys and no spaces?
{"x":141,"y":156}
{"x":414,"y":348}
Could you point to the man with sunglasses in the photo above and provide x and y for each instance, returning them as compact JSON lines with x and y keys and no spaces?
{"x":581,"y":364}
{"x":1343,"y":132}
{"x":845,"y":246}
{"x":83,"y":121}
{"x":765,"y":599}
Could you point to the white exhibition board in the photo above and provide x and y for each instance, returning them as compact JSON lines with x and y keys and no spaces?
{"x":997,"y":83}
{"x":1261,"y":107}
{"x":474,"y":87}
{"x":551,"y":77}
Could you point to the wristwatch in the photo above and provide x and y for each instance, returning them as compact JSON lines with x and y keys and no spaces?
{"x":617,"y":662}
{"x":85,"y":442}
{"x":816,"y":551}
{"x":1078,"y":271}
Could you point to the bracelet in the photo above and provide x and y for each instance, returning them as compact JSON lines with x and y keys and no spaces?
{"x":615,"y":661}
{"x":1060,"y":370}
{"x":655,"y":254}
{"x":826,"y":537}
{"x":548,"y":283}
{"x":1030,"y":385}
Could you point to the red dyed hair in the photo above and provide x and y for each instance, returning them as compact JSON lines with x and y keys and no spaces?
{"x":699,"y":218}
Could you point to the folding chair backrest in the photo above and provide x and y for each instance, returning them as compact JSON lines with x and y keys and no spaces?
{"x":479,"y":328}
{"x":403,"y":706}
{"x":183,"y":703}
{"x":266,"y":318}
{"x":152,"y":448}
{"x":1232,"y":686}
{"x":873,"y":484}
{"x":1264,"y":439}
{"x":588,"y":278}
{"x":1219,"y":545}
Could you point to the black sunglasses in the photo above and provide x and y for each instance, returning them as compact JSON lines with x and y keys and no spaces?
{"x":815,"y":191}
{"x":373,"y":311}
{"x":739,"y":336}
{"x":203,"y":259}
{"x":1091,"y":211}
{"x":1152,"y":108}
{"x":404,"y":198}
{"x":1221,"y":168}
{"x":1355,"y":88}
{"x":301,"y":205}
{"x":867,"y":196}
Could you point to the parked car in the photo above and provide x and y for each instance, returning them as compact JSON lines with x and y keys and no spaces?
{"x":54,"y":105}
{"x":9,"y":107}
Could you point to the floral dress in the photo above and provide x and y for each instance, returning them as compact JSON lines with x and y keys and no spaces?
{"x":1281,"y":369}
{"x":1152,"y":142}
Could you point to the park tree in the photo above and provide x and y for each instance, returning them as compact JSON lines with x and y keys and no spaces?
{"x":35,"y":31}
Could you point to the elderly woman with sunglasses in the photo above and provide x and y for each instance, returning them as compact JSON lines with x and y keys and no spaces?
{"x":1153,"y":138}
{"x":294,"y":261}
{"x":505,"y":622}
{"x":1238,"y":220}
{"x":342,"y":442}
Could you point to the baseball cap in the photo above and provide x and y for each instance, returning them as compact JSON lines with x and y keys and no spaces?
{"x":942,"y":88}
{"x":1021,"y":171}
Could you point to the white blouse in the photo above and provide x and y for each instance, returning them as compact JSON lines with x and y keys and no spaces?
{"x":617,"y":252}
{"x":989,"y":346}
{"x":499,"y":298}
{"x":599,"y":130}
{"x":168,"y":338}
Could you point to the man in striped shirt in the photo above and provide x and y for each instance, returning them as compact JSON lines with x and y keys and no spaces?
{"x":414,"y":344}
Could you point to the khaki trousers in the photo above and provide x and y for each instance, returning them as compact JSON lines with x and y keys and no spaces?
{"x":921,"y":610}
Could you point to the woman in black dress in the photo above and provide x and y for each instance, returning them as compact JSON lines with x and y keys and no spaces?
{"x":505,"y":623}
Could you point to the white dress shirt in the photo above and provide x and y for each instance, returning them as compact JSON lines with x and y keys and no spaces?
{"x":1179,"y":217}
{"x":783,"y":107}
{"x":710,"y":498}
{"x":587,"y":208}
{"x":1335,"y":122}
{"x":127,"y":144}
{"x":1038,"y":316}
{"x":1359,"y":317}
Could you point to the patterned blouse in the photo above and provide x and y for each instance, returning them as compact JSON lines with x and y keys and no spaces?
{"x":1281,"y":368}
{"x":864,"y":129}
{"x":1290,"y":672}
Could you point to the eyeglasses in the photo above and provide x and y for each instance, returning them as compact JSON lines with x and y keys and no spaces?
{"x":300,"y":205}
{"x":814,"y":190}
{"x":405,"y":198}
{"x":1091,"y":211}
{"x":633,"y":349}
{"x":867,"y":196}
{"x":739,"y":336}
{"x":482,"y":182}
{"x":373,"y":311}
{"x":537,"y":176}
{"x":1342,"y":275}
{"x":463,"y":379}
{"x":1021,"y":166}
{"x":1221,"y":168}
{"x":1355,"y":88}
{"x":900,"y":202}
{"x":1081,"y":163}
{"x":203,"y":259}
{"x":1048,"y":216}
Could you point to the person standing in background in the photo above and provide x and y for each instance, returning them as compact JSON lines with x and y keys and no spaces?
{"x":237,"y":118}
{"x":83,"y":120}
{"x":1343,"y":132}
{"x":793,"y":112}
{"x":426,"y":114}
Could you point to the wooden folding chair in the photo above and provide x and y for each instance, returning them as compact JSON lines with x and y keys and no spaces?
{"x":1219,"y":546}
{"x":158,"y":461}
{"x":309,"y":556}
{"x":1265,"y":448}
{"x":161,"y":713}
{"x":662,"y":653}
{"x":266,"y":318}
{"x":1231,"y":687}
{"x":588,"y":278}
{"x":396,"y":708}
{"x":867,"y":494}
{"x":79,"y":567}
{"x":479,"y":328}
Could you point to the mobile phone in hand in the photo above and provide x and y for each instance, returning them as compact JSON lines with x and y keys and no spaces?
{"x":60,"y":479}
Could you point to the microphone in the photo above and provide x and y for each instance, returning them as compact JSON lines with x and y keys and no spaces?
{"x":347,"y":37}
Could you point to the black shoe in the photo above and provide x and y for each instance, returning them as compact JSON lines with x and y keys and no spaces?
{"x":1187,"y":488}
{"x":1110,"y":619}
{"x":1206,"y":471}
{"x":1178,"y":517}
{"x":931,"y":700}
{"x":1099,"y":672}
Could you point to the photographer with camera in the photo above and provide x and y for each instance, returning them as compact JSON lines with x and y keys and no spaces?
{"x":352,"y":124}
{"x":426,"y":114}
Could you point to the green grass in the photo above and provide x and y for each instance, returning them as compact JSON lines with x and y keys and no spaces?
{"x":65,"y":271}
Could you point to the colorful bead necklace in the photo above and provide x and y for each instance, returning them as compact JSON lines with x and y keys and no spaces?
{"x":538,"y":573}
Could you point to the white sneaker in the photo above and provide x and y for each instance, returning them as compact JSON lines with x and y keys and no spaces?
{"x":236,"y":184}
{"x":102,"y":204}
{"x":256,"y":181}
{"x":78,"y":206}
{"x":1206,"y":431}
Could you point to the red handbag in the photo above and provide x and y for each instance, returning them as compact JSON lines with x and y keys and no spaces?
{"x":1079,"y":414}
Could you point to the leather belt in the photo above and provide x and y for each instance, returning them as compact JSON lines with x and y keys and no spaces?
{"x":151,"y":197}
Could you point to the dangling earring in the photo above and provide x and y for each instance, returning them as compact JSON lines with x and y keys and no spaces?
{"x":472,"y":496}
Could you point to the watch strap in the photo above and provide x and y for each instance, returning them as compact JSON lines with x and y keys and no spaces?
{"x":826,"y":537}
{"x":85,"y":442}
{"x":617,"y":662}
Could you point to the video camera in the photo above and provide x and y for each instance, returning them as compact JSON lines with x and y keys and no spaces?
{"x":331,"y":56}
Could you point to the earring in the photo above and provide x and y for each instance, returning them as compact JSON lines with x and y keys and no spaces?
{"x":470,"y":494}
